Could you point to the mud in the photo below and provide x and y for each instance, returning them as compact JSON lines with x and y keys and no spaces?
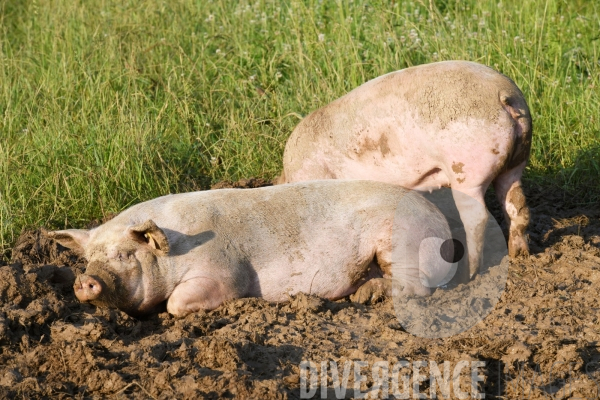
{"x":539,"y":342}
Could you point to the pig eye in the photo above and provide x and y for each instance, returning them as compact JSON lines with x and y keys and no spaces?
{"x":122,"y":256}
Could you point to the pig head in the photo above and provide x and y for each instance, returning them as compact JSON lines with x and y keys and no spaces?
{"x":123,"y":266}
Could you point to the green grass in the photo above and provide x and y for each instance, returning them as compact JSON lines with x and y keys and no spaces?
{"x":107,"y":103}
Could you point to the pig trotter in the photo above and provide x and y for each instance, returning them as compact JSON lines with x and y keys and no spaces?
{"x":510,"y":195}
{"x":373,"y":291}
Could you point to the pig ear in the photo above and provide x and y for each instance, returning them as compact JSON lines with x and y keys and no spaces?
{"x":151,"y":235}
{"x":74,"y":239}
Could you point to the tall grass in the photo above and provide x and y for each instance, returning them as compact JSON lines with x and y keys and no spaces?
{"x":107,"y":103}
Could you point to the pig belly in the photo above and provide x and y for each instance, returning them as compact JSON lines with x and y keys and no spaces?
{"x":458,"y":156}
{"x":328,"y":281}
{"x":411,"y":170}
{"x":412,"y":174}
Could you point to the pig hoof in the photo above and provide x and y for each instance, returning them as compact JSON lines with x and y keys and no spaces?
{"x":518,"y":247}
{"x":472,"y":274}
{"x":373,"y":291}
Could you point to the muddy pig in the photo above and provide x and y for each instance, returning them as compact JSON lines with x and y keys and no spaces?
{"x":456,"y":124}
{"x":197,"y":250}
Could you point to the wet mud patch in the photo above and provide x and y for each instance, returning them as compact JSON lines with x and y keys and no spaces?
{"x":540,"y":341}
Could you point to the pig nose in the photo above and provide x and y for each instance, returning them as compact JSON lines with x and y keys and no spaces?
{"x":87,"y":288}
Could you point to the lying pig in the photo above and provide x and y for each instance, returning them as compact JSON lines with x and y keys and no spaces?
{"x":456,"y":124}
{"x":197,"y":250}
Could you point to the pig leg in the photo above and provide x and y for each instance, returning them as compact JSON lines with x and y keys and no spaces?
{"x":374,"y":288}
{"x":406,"y":279}
{"x":473,"y":214}
{"x":516,"y":213}
{"x":201,"y":293}
{"x":372,"y":291}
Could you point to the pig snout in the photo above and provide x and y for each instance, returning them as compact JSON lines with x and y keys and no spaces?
{"x":87,"y":288}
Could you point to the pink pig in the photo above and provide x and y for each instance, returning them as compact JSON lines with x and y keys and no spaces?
{"x":196,"y":250}
{"x":455,"y":124}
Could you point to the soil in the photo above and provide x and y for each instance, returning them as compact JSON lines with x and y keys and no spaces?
{"x":540,"y":341}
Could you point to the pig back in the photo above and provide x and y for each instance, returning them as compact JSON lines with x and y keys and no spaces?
{"x":280,"y":216}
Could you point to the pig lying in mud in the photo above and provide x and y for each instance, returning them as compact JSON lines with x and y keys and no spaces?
{"x":455,"y":124}
{"x":197,"y":250}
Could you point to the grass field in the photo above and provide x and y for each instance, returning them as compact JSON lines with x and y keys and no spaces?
{"x":106,"y":103}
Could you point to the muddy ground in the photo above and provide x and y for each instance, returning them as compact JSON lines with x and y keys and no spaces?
{"x":540,"y":341}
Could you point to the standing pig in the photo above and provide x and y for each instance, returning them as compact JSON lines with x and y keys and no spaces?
{"x":197,"y":250}
{"x":457,"y":124}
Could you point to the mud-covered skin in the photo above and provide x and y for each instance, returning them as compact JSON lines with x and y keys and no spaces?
{"x":453,"y":123}
{"x":197,"y":250}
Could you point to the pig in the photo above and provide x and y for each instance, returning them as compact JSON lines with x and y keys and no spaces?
{"x":455,"y":124}
{"x":197,"y":250}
